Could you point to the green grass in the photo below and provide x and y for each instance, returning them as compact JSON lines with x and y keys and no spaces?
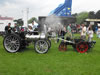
{"x":28,"y":62}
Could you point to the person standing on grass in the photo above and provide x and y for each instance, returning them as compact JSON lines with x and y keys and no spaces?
{"x":83,"y":32}
{"x":69,"y":31}
{"x":98,"y":32}
{"x":72,"y":32}
{"x":90,"y":34}
{"x":96,"y":29}
{"x":59,"y":35}
{"x":63,"y":32}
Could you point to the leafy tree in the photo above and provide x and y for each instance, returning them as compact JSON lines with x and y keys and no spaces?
{"x":32,"y":19}
{"x":74,"y":14}
{"x":92,"y":15}
{"x":98,"y":14}
{"x":19,"y":22}
{"x":81,"y":17}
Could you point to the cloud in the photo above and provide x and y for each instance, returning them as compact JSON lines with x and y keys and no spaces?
{"x":14,"y":8}
{"x":37,"y":8}
{"x":85,"y":5}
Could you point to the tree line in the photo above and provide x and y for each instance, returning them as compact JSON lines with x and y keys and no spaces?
{"x":20,"y":22}
{"x":80,"y":17}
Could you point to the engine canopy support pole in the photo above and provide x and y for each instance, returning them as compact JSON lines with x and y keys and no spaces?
{"x":25,"y":17}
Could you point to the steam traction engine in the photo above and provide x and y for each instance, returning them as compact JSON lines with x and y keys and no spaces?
{"x":19,"y":40}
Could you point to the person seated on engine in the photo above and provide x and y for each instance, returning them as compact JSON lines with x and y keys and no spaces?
{"x":8,"y":29}
{"x":32,"y":28}
{"x":16,"y":28}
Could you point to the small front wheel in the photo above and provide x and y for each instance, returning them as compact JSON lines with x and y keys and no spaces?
{"x":82,"y":47}
{"x":41,"y":46}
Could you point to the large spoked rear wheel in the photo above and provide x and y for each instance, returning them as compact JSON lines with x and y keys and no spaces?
{"x":82,"y":47}
{"x":12,"y":43}
{"x":41,"y":46}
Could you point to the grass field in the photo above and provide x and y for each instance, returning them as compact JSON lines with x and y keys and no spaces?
{"x":28,"y":62}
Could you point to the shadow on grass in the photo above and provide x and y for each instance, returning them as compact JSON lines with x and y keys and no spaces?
{"x":27,"y":49}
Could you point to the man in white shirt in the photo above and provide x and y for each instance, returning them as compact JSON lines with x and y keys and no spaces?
{"x":83,"y":32}
{"x":32,"y":27}
{"x":98,"y":32}
{"x":90,"y":34}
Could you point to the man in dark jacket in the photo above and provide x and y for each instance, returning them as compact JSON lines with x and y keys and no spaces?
{"x":8,"y":28}
{"x":16,"y":28}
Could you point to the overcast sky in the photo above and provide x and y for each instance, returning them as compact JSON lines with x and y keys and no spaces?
{"x":14,"y":8}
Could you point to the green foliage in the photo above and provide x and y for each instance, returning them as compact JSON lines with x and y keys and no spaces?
{"x":84,"y":15}
{"x":81,"y":17}
{"x":98,"y":14}
{"x":19,"y":22}
{"x":32,"y":19}
{"x":74,"y":14}
{"x":92,"y":15}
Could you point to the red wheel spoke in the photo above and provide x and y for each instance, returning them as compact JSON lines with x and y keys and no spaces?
{"x":82,"y":47}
